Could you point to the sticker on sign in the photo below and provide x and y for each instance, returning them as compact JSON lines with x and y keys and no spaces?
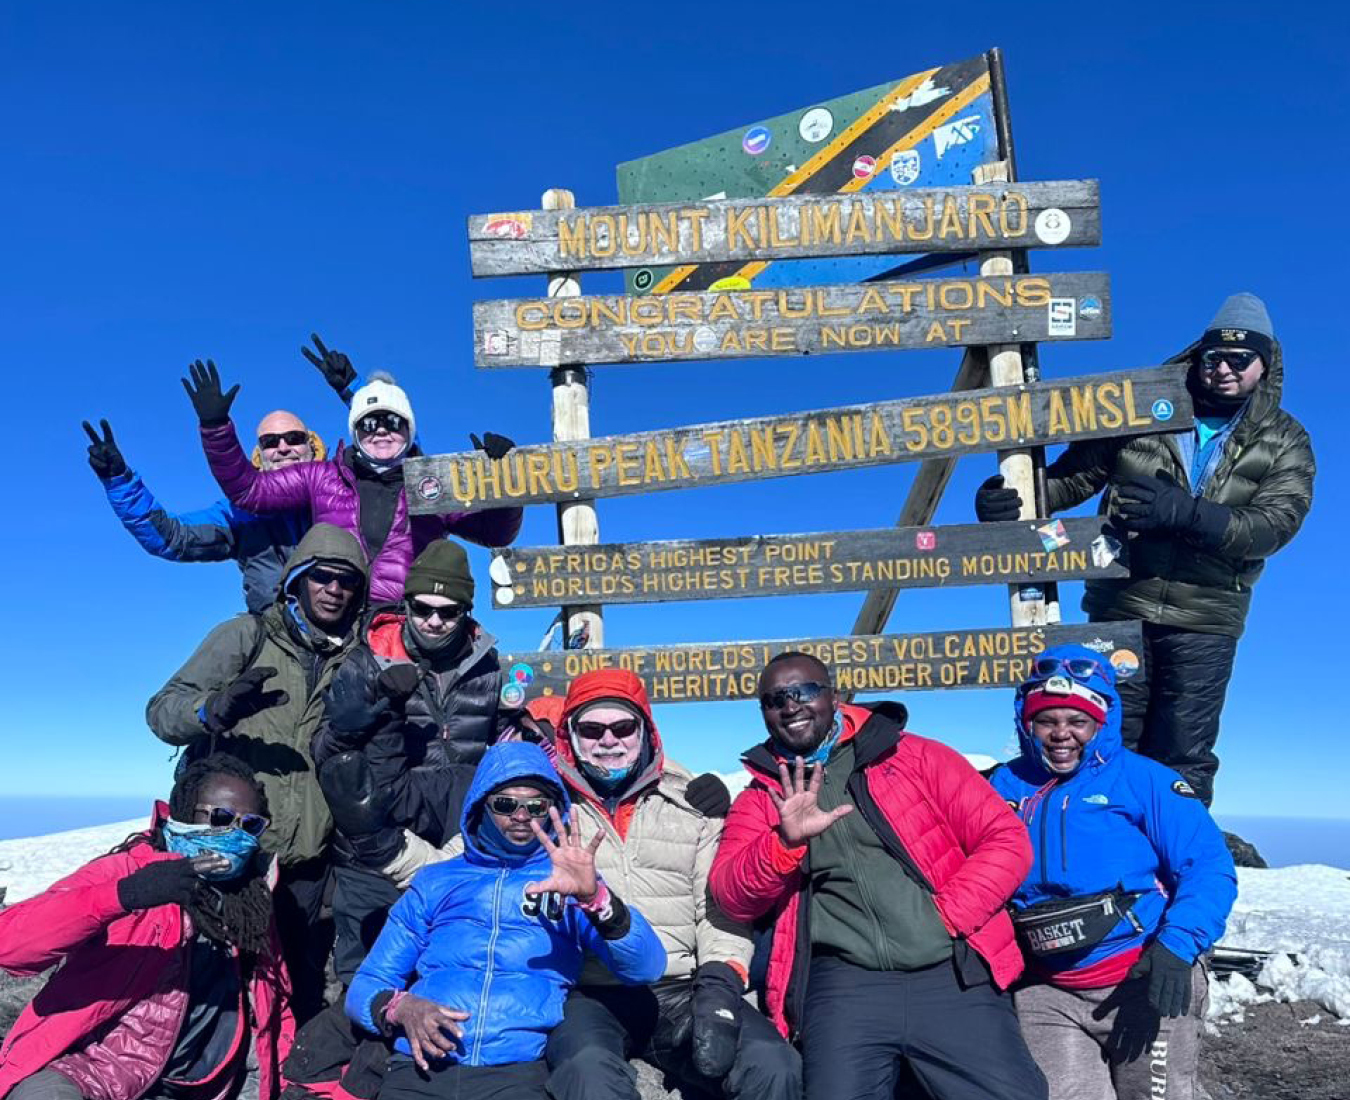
{"x":1061,"y":319}
{"x":864,"y":166}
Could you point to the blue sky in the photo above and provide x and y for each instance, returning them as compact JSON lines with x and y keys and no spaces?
{"x":221,"y":180}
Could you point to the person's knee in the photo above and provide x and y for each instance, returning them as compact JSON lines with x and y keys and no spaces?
{"x":770,"y":1069}
{"x":590,"y":1062}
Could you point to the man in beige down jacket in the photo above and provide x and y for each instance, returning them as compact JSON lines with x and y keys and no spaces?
{"x":694,"y":1024}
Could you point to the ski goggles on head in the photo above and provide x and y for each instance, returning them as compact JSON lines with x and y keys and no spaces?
{"x":593,"y":731}
{"x":505,"y":805}
{"x":222,"y":817}
{"x":1237,"y":359}
{"x":807,"y":692}
{"x":389,"y":421}
{"x":268,"y":440}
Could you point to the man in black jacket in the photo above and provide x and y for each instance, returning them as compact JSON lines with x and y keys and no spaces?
{"x":1202,"y":509}
{"x":421,"y":697}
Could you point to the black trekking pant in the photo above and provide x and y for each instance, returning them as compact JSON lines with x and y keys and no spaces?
{"x":860,"y":1027}
{"x":306,"y":936}
{"x":1173,"y":715}
{"x":604,"y":1026}
{"x":361,"y":901}
{"x":452,"y":1081}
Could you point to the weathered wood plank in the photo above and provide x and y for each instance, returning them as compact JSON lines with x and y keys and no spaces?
{"x":996,"y":657}
{"x":1050,"y":214}
{"x":789,"y":565}
{"x":1125,"y":403}
{"x":742,"y":324}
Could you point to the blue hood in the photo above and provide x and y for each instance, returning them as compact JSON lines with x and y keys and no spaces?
{"x":1107,"y":742}
{"x":502,"y":765}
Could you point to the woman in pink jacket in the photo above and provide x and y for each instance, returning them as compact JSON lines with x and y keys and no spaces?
{"x":172,"y":967}
{"x":360,"y":488}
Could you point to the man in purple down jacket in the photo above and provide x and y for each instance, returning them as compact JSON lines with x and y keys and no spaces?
{"x":359,"y":489}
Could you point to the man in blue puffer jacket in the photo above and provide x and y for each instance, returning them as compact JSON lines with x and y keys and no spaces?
{"x":492,"y":940}
{"x":1131,"y":884}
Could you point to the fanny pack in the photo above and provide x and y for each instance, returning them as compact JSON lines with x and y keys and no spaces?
{"x":1073,"y":924}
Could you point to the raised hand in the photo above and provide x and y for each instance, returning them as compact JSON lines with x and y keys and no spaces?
{"x":799,"y":814}
{"x":336,"y":368}
{"x":242,"y":697}
{"x":492,"y":444}
{"x":433,"y":1030}
{"x":573,"y":873}
{"x":213,"y":407}
{"x":996,"y":502}
{"x":104,"y":457}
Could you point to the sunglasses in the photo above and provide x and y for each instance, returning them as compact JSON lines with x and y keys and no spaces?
{"x":390,"y":422}
{"x":505,"y":805}
{"x":222,"y":817}
{"x":447,"y":613}
{"x":808,"y":692}
{"x":593,"y":731}
{"x":268,"y":440}
{"x":1078,"y":668}
{"x":348,"y":582}
{"x":1237,"y":359}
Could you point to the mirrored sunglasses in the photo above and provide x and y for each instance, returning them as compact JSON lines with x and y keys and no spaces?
{"x":505,"y":805}
{"x":807,"y":692}
{"x":268,"y":440}
{"x":222,"y":817}
{"x":373,"y":422}
{"x":593,"y":731}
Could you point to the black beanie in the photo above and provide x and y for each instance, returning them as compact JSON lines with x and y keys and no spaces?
{"x":442,"y":569}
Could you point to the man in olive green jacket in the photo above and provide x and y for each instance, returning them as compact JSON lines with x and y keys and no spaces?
{"x":1203,"y":509}
{"x":254,"y":689}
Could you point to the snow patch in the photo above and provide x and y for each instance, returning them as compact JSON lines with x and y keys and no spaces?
{"x":31,"y":864}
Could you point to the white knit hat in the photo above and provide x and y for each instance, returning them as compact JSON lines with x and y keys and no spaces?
{"x":381,"y":394}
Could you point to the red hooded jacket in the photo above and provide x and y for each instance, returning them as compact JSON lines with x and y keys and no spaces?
{"x":938,"y":817}
{"x":124,"y":980}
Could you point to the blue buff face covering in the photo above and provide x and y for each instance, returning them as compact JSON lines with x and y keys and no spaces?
{"x":190,"y":841}
{"x":822,"y":751}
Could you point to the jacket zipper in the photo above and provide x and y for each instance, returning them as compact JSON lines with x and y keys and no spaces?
{"x":1064,"y":835}
{"x":491,"y":955}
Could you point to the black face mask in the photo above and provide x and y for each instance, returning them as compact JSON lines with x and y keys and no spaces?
{"x":449,"y":644}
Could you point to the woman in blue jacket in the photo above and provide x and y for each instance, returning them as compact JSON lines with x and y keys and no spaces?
{"x":1131,"y":884}
{"x":475,"y":961}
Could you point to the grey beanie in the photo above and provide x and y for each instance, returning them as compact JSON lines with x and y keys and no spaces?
{"x":1242,"y":321}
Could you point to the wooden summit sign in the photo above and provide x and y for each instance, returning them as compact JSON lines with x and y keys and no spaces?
{"x":886,"y":432}
{"x":702,"y":672}
{"x":787,"y":565}
{"x":807,"y":320}
{"x":1054,"y":214}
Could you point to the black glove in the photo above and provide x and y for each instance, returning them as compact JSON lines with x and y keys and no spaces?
{"x":708,"y":795}
{"x":213,"y":407}
{"x":996,"y":504}
{"x":104,"y":457}
{"x":716,"y":1007}
{"x":397,"y":683}
{"x":1169,"y":980}
{"x":164,"y":882}
{"x":336,"y":368}
{"x":1154,"y":504}
{"x":353,"y":711}
{"x":360,"y":808}
{"x":240,"y":698}
{"x":494,"y":445}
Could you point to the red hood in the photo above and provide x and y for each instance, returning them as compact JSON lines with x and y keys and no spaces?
{"x":591,"y":687}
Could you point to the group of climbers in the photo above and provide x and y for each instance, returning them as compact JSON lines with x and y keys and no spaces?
{"x":520,"y":900}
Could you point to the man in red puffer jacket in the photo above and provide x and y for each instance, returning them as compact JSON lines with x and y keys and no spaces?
{"x":886,"y":863}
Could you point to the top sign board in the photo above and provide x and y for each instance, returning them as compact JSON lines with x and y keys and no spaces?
{"x":930,"y":129}
{"x":1054,"y":214}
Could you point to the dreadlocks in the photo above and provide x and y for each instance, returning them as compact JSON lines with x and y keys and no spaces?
{"x":237,"y":911}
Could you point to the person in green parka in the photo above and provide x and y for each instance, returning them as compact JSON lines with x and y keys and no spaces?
{"x":254,"y":689}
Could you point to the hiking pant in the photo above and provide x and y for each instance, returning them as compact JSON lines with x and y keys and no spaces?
{"x":860,"y":1027}
{"x":361,"y":901}
{"x":1110,"y":1044}
{"x":1173,"y":715}
{"x":517,"y":1081}
{"x":306,"y":937}
{"x":604,"y":1026}
{"x":46,"y":1084}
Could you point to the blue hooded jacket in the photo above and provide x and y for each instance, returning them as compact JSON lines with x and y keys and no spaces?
{"x":1120,"y":820}
{"x":459,"y":936}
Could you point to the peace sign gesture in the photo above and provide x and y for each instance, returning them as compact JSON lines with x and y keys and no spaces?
{"x":573,"y":864}
{"x":799,"y":814}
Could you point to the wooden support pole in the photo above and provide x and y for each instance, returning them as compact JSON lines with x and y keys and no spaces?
{"x":577,"y":521}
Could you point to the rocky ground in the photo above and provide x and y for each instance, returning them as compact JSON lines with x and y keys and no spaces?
{"x":1279,"y":1052}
